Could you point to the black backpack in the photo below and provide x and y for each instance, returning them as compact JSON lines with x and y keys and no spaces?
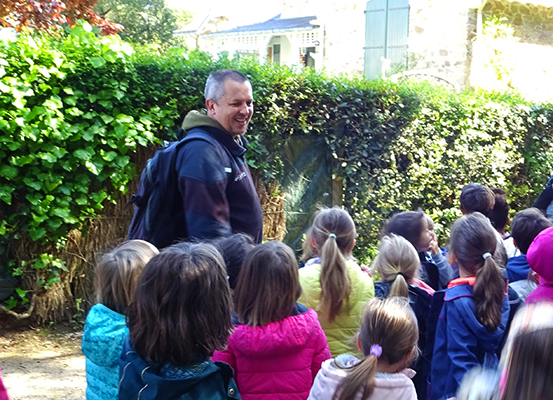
{"x":158,"y":214}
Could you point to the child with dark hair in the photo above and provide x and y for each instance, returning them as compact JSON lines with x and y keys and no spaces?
{"x":105,"y":329}
{"x":415,"y":227}
{"x":333,"y":284}
{"x":275,"y":336}
{"x":499,"y":217}
{"x":234,"y":249}
{"x":388,"y":340}
{"x":540,"y":258}
{"x":476,"y":197}
{"x":526,"y":225}
{"x":474,"y":309}
{"x":180,"y":316}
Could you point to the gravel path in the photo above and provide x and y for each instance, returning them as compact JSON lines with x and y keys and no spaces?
{"x":43,"y":364}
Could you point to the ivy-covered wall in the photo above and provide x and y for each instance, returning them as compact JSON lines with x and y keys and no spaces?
{"x":78,"y":113}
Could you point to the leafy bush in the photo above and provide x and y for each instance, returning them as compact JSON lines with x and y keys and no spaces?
{"x":74,"y":110}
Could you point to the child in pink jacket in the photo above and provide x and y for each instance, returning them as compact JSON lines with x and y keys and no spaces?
{"x":278,"y":345}
{"x":540,"y":259}
{"x":388,"y":338}
{"x":3,"y":391}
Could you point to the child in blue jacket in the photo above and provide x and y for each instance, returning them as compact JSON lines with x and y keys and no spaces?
{"x":475,"y":310}
{"x":105,"y":328}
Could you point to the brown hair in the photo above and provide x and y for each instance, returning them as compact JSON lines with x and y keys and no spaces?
{"x":308,"y":251}
{"x":333,"y":233}
{"x":408,"y":224}
{"x":526,"y":225}
{"x":530,"y":375}
{"x":499,"y":215}
{"x":234,"y":249}
{"x":397,"y":261}
{"x":118,"y":271}
{"x":390,"y":324}
{"x":182,"y":306}
{"x":472,"y":236}
{"x":268,"y":286}
{"x":476,"y":197}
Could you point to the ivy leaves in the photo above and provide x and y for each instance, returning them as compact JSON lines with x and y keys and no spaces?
{"x":67,"y":128}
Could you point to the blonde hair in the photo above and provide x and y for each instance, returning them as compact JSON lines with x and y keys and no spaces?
{"x":397,"y":261}
{"x":118,"y":271}
{"x":389,"y":324}
{"x":333,"y":233}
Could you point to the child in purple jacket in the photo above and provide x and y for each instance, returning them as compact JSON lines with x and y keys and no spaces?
{"x":278,"y":345}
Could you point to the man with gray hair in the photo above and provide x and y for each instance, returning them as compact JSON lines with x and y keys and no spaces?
{"x":215,"y":186}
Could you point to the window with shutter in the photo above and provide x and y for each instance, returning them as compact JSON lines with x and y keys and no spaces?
{"x":386,"y":33}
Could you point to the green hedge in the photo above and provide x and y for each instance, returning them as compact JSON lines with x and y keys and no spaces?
{"x":73,"y":111}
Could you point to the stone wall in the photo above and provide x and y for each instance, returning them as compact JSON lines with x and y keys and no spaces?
{"x":526,"y":56}
{"x":532,"y":23}
{"x":441,"y":34}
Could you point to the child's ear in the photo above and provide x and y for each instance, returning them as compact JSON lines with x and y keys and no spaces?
{"x":515,"y":243}
{"x":313,"y":243}
{"x":352,"y":245}
{"x":359,"y":346}
{"x":452,"y":258}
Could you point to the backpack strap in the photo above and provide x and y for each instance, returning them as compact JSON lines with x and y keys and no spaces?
{"x":200,"y":134}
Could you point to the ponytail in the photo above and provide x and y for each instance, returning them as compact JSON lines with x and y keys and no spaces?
{"x":488,"y":293}
{"x":400,"y":288}
{"x":388,"y":333}
{"x":397,"y":262}
{"x":360,"y":378}
{"x":473,"y":241}
{"x":335,"y":280}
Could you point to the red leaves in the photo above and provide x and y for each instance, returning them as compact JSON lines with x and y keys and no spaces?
{"x":49,"y":15}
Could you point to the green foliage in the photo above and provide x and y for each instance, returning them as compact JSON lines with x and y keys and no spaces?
{"x":68,"y":130}
{"x":74,"y":110}
{"x":144,"y":21}
{"x":497,"y":38}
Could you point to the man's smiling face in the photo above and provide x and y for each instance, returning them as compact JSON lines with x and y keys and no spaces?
{"x":234,"y":109}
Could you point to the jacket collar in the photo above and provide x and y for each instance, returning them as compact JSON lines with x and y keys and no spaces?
{"x":462,"y":281}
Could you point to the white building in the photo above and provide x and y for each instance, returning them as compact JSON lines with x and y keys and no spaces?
{"x":285,"y":41}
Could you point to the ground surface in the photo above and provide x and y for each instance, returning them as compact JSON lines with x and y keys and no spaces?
{"x":43,"y":364}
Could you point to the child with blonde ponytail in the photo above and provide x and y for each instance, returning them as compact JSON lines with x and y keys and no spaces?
{"x":333,"y":284}
{"x":399,"y":266}
{"x":388,"y":339}
{"x":475,"y":310}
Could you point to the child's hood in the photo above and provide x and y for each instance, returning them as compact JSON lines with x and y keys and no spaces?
{"x":137,"y":376}
{"x":289,"y":335}
{"x":540,"y":255}
{"x":389,"y":386}
{"x":104,"y":333}
{"x":489,"y":340}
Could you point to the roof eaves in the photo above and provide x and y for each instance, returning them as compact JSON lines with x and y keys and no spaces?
{"x":212,"y":34}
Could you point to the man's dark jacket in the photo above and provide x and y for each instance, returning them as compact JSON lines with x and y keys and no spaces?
{"x":215,"y":186}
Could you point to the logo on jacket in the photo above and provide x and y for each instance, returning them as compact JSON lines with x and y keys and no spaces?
{"x":240,"y":176}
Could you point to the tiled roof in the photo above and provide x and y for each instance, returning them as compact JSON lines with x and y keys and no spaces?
{"x":273,"y":25}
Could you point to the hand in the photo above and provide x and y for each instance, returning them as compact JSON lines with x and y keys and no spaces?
{"x":434,"y":248}
{"x":365,"y":269}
